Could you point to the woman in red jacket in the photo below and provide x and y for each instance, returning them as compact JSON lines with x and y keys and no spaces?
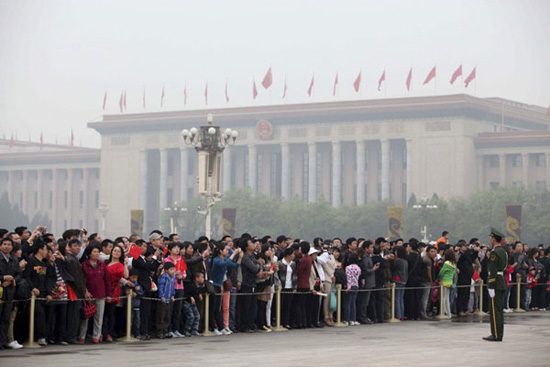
{"x":98,"y":290}
{"x":117,"y":267}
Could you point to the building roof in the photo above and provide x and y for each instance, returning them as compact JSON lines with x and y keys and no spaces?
{"x":520,"y":116}
{"x":513,"y":139}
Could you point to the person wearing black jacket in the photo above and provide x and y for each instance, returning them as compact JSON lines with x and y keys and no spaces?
{"x":10,"y":276}
{"x":77,"y":286}
{"x":465,"y":269}
{"x":413,"y":297}
{"x":379,"y":280}
{"x":41,"y":278}
{"x":251,"y":270}
{"x":145,"y":265}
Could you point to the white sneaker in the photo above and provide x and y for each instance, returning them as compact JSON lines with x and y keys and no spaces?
{"x":217,"y":332}
{"x":227,"y":331}
{"x":178,"y":334}
{"x":42,"y":342}
{"x":15,"y":345}
{"x":507,"y":310}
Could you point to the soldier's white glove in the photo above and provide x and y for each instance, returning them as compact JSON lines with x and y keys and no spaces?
{"x":491,"y":293}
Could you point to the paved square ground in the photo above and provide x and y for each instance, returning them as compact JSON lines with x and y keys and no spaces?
{"x":411,"y":343}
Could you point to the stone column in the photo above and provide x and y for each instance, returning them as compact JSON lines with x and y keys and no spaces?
{"x":312,"y":172}
{"x":227,"y":169}
{"x":285,"y":170}
{"x":70,"y":210}
{"x":336,"y":174}
{"x":86,"y":188}
{"x":184,"y":173}
{"x":162,"y":178}
{"x":25,"y":190}
{"x":480,"y":171}
{"x":385,"y":151}
{"x":252,"y":167}
{"x":360,"y":173}
{"x":525,"y":166}
{"x":55,"y":192}
{"x":502,"y":169}
{"x":548,"y":171}
{"x":143,"y":178}
{"x":408,"y":171}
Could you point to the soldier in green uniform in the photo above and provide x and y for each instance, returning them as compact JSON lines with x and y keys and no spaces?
{"x":498,"y":260}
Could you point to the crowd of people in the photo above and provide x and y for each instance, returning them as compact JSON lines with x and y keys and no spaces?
{"x":82,"y":283}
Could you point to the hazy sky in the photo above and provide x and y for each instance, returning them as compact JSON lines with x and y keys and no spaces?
{"x":57,"y":58}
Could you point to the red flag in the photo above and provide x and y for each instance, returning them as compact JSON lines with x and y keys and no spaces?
{"x":226,"y":95}
{"x":335,"y":84}
{"x":72,"y":139}
{"x":430,"y":76}
{"x":382,"y":78}
{"x":254,"y":90}
{"x":409,"y":78}
{"x":456,"y":74}
{"x":125,"y":100}
{"x":284,"y":91}
{"x":185,"y":95}
{"x":121,"y":101}
{"x":206,"y":94}
{"x":268,"y":79}
{"x":162,"y":97}
{"x":134,"y":251}
{"x":357,"y":82}
{"x":470,"y":77}
{"x":144,"y":97}
{"x":104,"y":100}
{"x":310,"y":89}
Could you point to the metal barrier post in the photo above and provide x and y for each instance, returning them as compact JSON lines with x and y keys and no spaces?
{"x":128,"y":338}
{"x":480,"y":311}
{"x":393,"y":319}
{"x":518,"y":308}
{"x":31,"y":344}
{"x":441,"y":316}
{"x":339,"y":322}
{"x":278,"y":326}
{"x":207,"y":331}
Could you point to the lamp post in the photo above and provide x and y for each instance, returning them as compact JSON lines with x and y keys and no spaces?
{"x":424,"y":207}
{"x":209,"y":142}
{"x":103,"y":209}
{"x":174,"y":214}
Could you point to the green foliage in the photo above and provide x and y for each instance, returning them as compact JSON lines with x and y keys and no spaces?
{"x":464,"y":218}
{"x":11,"y":216}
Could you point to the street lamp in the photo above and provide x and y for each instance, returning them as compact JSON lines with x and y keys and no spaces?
{"x":209,"y":142}
{"x":103,"y":209}
{"x":174,"y":214}
{"x":424,"y":206}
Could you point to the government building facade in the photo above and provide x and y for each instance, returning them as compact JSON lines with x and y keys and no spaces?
{"x":349,"y":153}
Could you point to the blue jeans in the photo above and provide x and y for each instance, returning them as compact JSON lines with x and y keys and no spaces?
{"x":217,"y":309}
{"x":192,"y":317}
{"x":232,"y":308}
{"x":350,"y":310}
{"x":136,"y":321}
{"x":399,"y":302}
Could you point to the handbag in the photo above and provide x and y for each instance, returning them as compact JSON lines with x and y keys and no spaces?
{"x":333,"y":301}
{"x":209,"y":287}
{"x":22,"y":290}
{"x":88,"y":310}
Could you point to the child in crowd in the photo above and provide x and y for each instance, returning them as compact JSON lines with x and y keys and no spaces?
{"x":167,"y":292}
{"x":137,"y":292}
{"x":193,"y":290}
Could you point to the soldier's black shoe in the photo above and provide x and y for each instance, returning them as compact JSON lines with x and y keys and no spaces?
{"x":490,"y":338}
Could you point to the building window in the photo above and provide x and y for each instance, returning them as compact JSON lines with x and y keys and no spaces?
{"x":51,"y":199}
{"x":96,"y":199}
{"x":170,"y":196}
{"x":246,"y":169}
{"x":517,"y":160}
{"x":494,"y":161}
{"x":274,"y":177}
{"x":170,"y":165}
{"x":541,"y":160}
{"x":81,"y":200}
{"x":390,"y":194}
{"x":366,"y":159}
{"x":404,"y":197}
{"x":65,"y":200}
{"x":366,"y":193}
{"x":96,"y":226}
{"x":97,"y":174}
{"x":21,"y":200}
{"x":404,"y":158}
{"x":305,"y":176}
{"x":540,"y":185}
{"x":493,"y":185}
{"x":36,"y":199}
{"x":319,"y":174}
{"x":379,"y":192}
{"x":379,"y":158}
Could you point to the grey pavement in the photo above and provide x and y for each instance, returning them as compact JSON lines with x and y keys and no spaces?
{"x":446,"y":343}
